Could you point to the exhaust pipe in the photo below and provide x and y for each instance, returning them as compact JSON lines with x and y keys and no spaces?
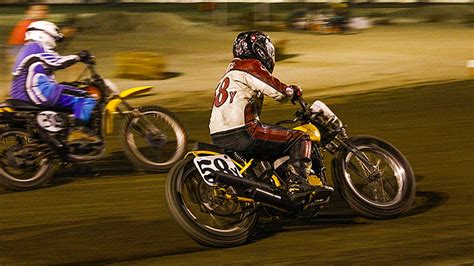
{"x":260,"y":191}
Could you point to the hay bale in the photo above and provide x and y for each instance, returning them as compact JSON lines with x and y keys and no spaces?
{"x":140,"y":65}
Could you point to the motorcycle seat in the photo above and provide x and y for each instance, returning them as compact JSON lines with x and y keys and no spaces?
{"x":28,"y":106}
{"x":214,"y":148}
{"x":208,"y":147}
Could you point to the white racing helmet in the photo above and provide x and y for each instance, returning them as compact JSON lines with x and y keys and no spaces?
{"x":44,"y":32}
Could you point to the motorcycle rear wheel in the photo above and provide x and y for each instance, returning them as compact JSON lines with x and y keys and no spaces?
{"x":210,"y":222}
{"x":382,"y":196}
{"x":154,"y":151}
{"x":20,"y":177}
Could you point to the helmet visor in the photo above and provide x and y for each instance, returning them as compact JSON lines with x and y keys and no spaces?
{"x":271,"y":50}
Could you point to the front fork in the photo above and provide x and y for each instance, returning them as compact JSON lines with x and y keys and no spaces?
{"x":317,"y":160}
{"x":144,"y":126}
{"x":372,"y":168}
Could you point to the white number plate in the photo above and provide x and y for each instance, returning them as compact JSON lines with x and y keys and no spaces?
{"x":218,"y":163}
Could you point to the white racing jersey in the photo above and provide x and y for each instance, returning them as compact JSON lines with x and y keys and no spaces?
{"x":239,"y":95}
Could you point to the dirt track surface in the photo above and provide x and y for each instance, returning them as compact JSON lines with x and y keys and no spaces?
{"x":120,"y":215}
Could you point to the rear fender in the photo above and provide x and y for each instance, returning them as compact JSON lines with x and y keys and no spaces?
{"x":6,"y":114}
{"x":6,"y":109}
{"x":9,"y":116}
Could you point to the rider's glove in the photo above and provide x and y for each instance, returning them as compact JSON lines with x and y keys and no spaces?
{"x":295,"y":92}
{"x":86,"y":57}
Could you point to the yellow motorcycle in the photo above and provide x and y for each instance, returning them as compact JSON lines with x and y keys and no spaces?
{"x":33,"y":138}
{"x":217,"y":196}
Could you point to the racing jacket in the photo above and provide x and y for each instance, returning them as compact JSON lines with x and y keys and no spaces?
{"x":239,"y":96}
{"x":33,"y":78}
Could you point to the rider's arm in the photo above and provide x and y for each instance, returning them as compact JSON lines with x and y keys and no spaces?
{"x":259,"y":79}
{"x":55,"y":61}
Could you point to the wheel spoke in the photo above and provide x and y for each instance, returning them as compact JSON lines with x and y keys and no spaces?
{"x":210,"y":209}
{"x":24,"y":161}
{"x":155,"y":140}
{"x":388,"y":186}
{"x":375,"y":183}
{"x":364,"y":177}
{"x":139,"y":131}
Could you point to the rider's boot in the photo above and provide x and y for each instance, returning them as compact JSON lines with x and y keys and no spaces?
{"x":302,"y":182}
{"x":298,"y":188}
{"x":320,"y":191}
{"x":81,"y":134}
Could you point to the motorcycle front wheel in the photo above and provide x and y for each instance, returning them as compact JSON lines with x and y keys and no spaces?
{"x":155,"y":139}
{"x":20,"y":169}
{"x":204,"y":216}
{"x":384,"y":188}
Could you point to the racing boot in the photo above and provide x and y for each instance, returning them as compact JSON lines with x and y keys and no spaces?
{"x":298,"y":188}
{"x":320,"y":191}
{"x":81,"y":135}
{"x":303,"y":182}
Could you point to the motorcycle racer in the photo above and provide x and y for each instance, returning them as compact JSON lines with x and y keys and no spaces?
{"x":235,"y":122}
{"x":34,"y":82}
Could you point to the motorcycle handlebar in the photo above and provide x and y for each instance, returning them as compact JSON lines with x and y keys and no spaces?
{"x":305,"y":110}
{"x":303,"y":104}
{"x":93,"y":70}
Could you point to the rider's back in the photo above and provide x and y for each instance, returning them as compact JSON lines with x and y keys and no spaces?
{"x":33,"y":74}
{"x":24,"y":64}
{"x":239,"y":95}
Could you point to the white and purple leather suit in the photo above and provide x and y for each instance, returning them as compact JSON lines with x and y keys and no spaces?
{"x":34,"y":82}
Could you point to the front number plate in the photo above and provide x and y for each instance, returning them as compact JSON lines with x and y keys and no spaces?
{"x":206,"y":165}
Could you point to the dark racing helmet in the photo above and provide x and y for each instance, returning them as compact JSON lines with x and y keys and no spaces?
{"x":257,"y":45}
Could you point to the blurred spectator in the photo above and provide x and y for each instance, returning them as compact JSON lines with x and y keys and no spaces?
{"x":16,"y":39}
{"x":207,"y":7}
{"x":299,"y":19}
{"x":341,"y":15}
{"x":34,"y":13}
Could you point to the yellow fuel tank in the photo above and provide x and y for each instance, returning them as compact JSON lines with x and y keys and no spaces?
{"x":311,"y":130}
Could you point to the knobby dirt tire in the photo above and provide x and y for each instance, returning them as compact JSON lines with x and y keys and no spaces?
{"x":192,"y":227}
{"x":137,"y":157}
{"x":41,"y":177}
{"x":366,"y":208}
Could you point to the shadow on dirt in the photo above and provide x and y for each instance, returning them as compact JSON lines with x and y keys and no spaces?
{"x":269,"y":229}
{"x":339,"y":214}
{"x":425,"y":201}
{"x":114,"y":164}
{"x":166,"y":75}
{"x":418,"y":178}
{"x":170,"y":75}
{"x":283,"y":57}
